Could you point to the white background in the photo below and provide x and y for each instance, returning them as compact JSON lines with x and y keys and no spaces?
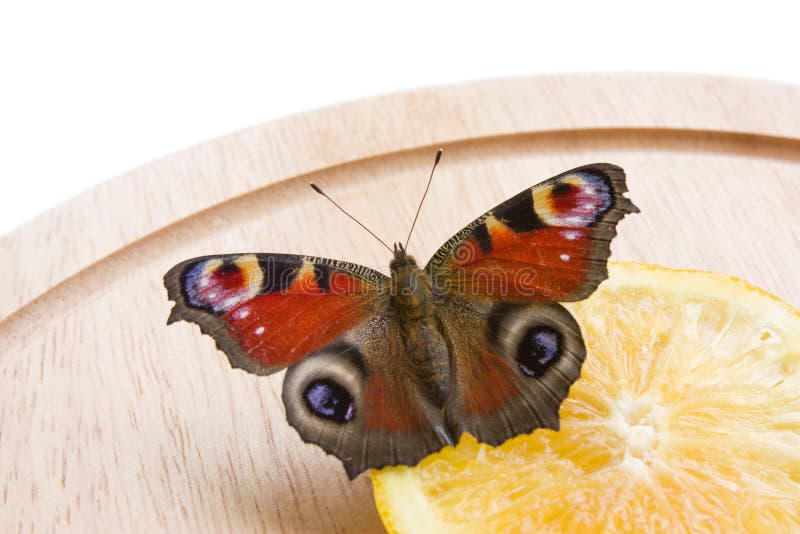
{"x":90,"y":90}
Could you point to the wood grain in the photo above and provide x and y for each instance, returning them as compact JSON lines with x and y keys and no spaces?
{"x":112,"y":421}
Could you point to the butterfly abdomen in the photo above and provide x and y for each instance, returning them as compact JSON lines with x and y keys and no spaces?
{"x":426,"y":349}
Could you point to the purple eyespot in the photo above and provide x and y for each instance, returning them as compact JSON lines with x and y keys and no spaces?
{"x":540,"y":348}
{"x":329,"y":400}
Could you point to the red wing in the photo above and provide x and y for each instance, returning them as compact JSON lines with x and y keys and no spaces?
{"x":548,"y":243}
{"x":267,"y":311}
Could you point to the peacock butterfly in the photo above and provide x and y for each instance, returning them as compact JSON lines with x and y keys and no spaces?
{"x":386,"y":370}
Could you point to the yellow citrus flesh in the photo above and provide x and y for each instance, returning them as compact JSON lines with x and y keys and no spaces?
{"x":686,"y":418}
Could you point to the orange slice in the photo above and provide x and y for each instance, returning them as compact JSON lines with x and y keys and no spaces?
{"x":686,"y":418}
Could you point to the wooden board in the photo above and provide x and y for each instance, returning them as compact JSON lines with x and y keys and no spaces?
{"x":111,"y":421}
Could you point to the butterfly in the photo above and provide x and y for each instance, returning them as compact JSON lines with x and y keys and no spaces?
{"x":385,"y":370}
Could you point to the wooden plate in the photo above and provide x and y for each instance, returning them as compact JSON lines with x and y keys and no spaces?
{"x":112,"y":421}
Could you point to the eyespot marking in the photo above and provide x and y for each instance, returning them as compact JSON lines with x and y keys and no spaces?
{"x":219,"y":285}
{"x":329,"y":400}
{"x":541,"y":347}
{"x":577,"y":200}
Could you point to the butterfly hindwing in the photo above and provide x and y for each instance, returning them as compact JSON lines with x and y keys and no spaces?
{"x":548,"y":243}
{"x":356,"y":400}
{"x":267,"y":311}
{"x":511,"y":366}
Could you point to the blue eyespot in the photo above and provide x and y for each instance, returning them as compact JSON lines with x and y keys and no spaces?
{"x":540,"y":348}
{"x":329,"y":400}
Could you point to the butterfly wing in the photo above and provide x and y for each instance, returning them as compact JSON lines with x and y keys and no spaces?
{"x":548,"y":243}
{"x":331,"y":323}
{"x":267,"y":311}
{"x":511,"y":366}
{"x":515,"y":352}
{"x":357,"y":401}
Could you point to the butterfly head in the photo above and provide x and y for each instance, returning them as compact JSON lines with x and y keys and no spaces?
{"x":401,"y":259}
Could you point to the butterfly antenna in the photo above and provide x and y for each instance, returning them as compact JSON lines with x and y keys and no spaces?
{"x":425,"y":194}
{"x":316,"y":188}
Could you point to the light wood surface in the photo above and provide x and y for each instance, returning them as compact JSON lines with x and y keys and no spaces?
{"x":111,"y":421}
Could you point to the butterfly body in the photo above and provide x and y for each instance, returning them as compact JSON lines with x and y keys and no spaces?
{"x":425,"y":348}
{"x":384,"y":370}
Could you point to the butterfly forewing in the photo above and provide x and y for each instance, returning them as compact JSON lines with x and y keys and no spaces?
{"x":548,"y":243}
{"x":267,"y":311}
